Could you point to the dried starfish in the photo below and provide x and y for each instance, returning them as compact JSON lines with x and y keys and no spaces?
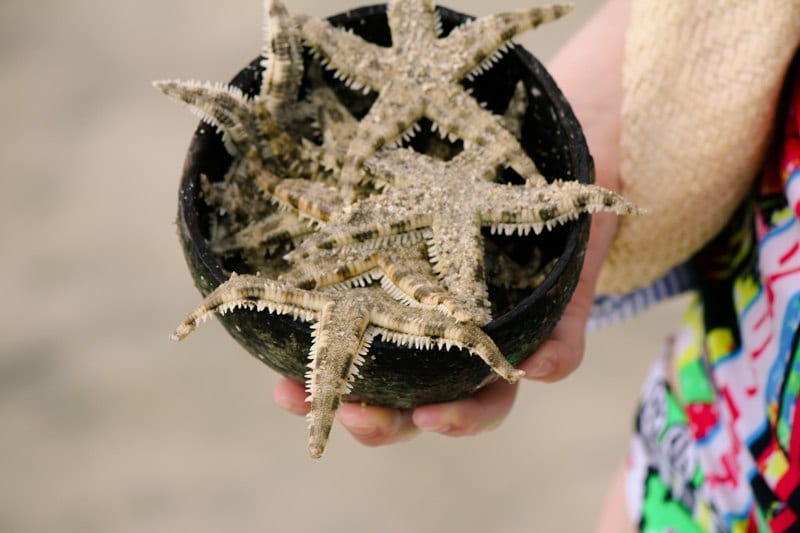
{"x":282,"y":64}
{"x":344,"y":324}
{"x":267,"y":232}
{"x":404,"y":273}
{"x":419,"y":76}
{"x":309,"y":200}
{"x":453,"y":200}
{"x":399,"y":269}
{"x":246,"y":121}
{"x":251,"y":128}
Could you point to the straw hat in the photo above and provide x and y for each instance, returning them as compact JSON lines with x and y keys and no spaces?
{"x":701,"y":84}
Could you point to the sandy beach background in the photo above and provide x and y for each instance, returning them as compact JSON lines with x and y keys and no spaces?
{"x":109,"y":427}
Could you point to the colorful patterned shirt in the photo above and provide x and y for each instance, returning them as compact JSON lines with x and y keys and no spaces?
{"x":717,"y":442}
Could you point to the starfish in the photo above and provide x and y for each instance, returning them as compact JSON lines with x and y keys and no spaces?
{"x":242,"y":120}
{"x":343,"y":326}
{"x":260,"y":126}
{"x":449,"y":202}
{"x":399,"y":269}
{"x":282,"y":64}
{"x":419,"y":75}
{"x":404,"y":273}
{"x":266,"y":123}
{"x":267,"y":232}
{"x":245,"y":123}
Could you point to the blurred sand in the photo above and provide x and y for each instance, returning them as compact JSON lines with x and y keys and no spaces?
{"x":109,"y":427}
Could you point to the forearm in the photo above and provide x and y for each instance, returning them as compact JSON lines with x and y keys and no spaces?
{"x":589,"y":71}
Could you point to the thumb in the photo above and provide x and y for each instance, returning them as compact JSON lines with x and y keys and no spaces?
{"x":562,"y":352}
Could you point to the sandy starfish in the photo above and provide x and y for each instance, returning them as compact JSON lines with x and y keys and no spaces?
{"x":245,"y":123}
{"x":451,"y":201}
{"x":252,"y":129}
{"x":242,"y":120}
{"x":343,"y":326}
{"x":399,"y":269}
{"x":267,"y":233}
{"x":404,"y":273}
{"x":282,"y":64}
{"x":419,"y":76}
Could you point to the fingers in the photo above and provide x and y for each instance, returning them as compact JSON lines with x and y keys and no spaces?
{"x":371,"y":426}
{"x":376,"y":426}
{"x":559,"y":355}
{"x":482,"y":411}
{"x":562,"y":352}
{"x":291,"y":395}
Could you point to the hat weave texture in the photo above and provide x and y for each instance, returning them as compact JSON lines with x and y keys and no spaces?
{"x":701,"y":83}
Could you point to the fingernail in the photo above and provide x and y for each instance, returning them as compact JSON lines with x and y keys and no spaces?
{"x":434,"y":422}
{"x":366,"y":430}
{"x":541,"y":368}
{"x":354,"y":421}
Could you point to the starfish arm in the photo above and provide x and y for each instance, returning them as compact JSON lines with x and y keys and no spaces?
{"x":504,"y":272}
{"x":338,"y":126}
{"x":352,"y":268}
{"x":428,"y":328}
{"x":264,"y":175}
{"x":339,"y":345}
{"x":253,"y":292}
{"x":282,"y":58}
{"x":312,"y":199}
{"x":460,"y":114}
{"x":226,"y":196}
{"x":299,"y":157}
{"x":478,"y":42}
{"x":402,"y":167}
{"x":273,"y":229}
{"x":522,"y":208}
{"x":481,"y":163}
{"x":358,"y":62}
{"x":372,"y":222}
{"x":225,"y":107}
{"x":411,"y":21}
{"x":514,"y":116}
{"x":457,"y":255}
{"x":392,"y":114}
{"x":406,"y":275}
{"x":476,"y":164}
